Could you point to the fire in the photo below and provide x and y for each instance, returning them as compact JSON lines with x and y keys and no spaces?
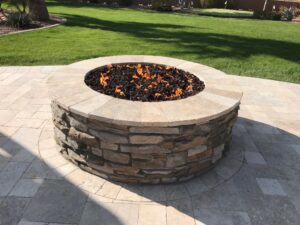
{"x":119,"y":91}
{"x":178,"y":92}
{"x":103,"y":79}
{"x":189,"y":88}
{"x":140,"y":71}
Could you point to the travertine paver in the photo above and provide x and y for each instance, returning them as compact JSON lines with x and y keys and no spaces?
{"x":270,"y":186}
{"x":268,"y":131}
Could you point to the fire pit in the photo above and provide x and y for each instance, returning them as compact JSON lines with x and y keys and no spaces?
{"x":143,"y":82}
{"x":143,"y":119}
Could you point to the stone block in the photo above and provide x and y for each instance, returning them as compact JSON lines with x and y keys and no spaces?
{"x":109,"y":137}
{"x":219,"y":149}
{"x":97,"y":151}
{"x":116,"y":157}
{"x":77,"y":124}
{"x":110,"y":146}
{"x":197,"y":150}
{"x":176,"y":159}
{"x":155,"y":130}
{"x":158,"y":172}
{"x":83,"y":137}
{"x":182,"y":145}
{"x":146,"y":139}
{"x":200,"y":156}
{"x":149,"y":164}
{"x":144,"y":149}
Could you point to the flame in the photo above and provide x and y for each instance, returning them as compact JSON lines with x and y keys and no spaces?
{"x":157,"y":95}
{"x":140,"y":71}
{"x":178,"y":92}
{"x":109,"y":66}
{"x":119,"y":91}
{"x":103,"y":79}
{"x":189,"y":88}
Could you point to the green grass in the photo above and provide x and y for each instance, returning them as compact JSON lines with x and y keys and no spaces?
{"x":228,"y":13}
{"x":247,"y":47}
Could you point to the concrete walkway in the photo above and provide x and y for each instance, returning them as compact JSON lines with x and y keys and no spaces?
{"x":258,"y":183}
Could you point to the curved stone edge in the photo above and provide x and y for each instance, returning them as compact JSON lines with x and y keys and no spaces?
{"x":193,"y":187}
{"x":221,"y":94}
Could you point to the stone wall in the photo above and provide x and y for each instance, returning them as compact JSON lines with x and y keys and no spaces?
{"x":142,"y":154}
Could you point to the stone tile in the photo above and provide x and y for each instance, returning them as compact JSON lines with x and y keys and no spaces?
{"x":211,"y":217}
{"x":291,"y":187}
{"x":12,"y":209}
{"x":195,"y":186}
{"x":10,"y":175}
{"x":152,"y":215}
{"x":26,"y":187}
{"x":98,"y":199}
{"x":180,"y":212}
{"x":176,"y":191}
{"x":109,"y":190}
{"x":270,"y":186}
{"x":130,"y":193}
{"x":207,"y":200}
{"x":271,"y":210}
{"x":155,"y":193}
{"x":93,"y":184}
{"x":56,"y":202}
{"x":109,"y":214}
{"x":23,"y":222}
{"x":254,"y":158}
{"x":38,"y":169}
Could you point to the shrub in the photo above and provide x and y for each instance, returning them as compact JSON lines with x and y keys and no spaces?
{"x":125,"y":2}
{"x":18,"y":19}
{"x":287,"y":13}
{"x":161,"y":5}
{"x":283,"y":13}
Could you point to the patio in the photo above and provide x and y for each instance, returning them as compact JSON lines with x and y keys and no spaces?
{"x":38,"y":186}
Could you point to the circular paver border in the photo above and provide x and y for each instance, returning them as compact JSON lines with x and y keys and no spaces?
{"x":143,"y":142}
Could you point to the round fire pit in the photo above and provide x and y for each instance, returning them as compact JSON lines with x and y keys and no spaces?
{"x":143,"y":119}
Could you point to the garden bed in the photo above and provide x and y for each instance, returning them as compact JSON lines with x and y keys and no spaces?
{"x":6,"y":29}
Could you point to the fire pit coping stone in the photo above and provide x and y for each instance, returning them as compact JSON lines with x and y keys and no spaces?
{"x":220,"y":96}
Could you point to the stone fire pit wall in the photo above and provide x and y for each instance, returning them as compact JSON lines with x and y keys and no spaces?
{"x":143,"y":142}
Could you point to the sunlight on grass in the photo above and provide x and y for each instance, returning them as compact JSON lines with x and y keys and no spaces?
{"x":248,"y":47}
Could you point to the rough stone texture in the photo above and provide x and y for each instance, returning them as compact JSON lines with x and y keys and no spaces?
{"x":142,"y":154}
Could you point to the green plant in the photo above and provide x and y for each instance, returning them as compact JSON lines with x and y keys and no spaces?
{"x":19,"y":5}
{"x":18,"y":19}
{"x":206,"y":3}
{"x":287,"y":13}
{"x":161,"y":5}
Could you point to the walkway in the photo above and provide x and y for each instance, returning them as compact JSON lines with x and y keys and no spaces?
{"x":258,"y":183}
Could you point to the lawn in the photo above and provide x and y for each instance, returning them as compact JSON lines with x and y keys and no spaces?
{"x":247,"y":47}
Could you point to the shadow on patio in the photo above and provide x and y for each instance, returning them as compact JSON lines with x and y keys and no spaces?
{"x":54,"y":191}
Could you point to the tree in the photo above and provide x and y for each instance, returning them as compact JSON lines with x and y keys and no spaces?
{"x":38,"y":10}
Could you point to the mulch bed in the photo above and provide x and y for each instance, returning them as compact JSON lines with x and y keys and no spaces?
{"x":5,"y":29}
{"x":144,"y":82}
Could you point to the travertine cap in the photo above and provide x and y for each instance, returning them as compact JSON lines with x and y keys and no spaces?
{"x":68,"y":89}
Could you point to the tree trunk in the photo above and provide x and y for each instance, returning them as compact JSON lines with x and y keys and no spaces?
{"x":38,"y":10}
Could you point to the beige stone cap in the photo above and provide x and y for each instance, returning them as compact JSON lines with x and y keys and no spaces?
{"x":221,"y":95}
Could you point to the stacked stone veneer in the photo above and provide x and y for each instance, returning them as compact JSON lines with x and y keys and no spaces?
{"x":142,"y":154}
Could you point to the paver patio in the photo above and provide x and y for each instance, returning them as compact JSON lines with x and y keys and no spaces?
{"x":260,"y":185}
